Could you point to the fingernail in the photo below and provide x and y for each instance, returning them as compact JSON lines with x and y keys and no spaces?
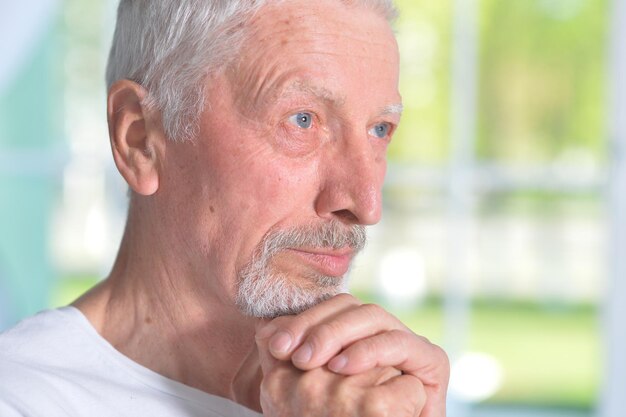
{"x":303,"y":354}
{"x":280,"y":342}
{"x":338,"y":363}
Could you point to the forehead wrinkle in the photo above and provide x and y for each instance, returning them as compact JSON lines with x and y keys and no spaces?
{"x":299,"y":21}
{"x":301,"y":34}
{"x":259,"y":85}
{"x":316,"y":42}
{"x":321,"y":93}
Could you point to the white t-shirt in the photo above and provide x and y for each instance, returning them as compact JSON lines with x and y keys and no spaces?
{"x":55,"y":364}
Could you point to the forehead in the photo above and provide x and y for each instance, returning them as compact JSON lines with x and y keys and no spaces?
{"x":321,"y":26}
{"x":300,"y":15}
{"x":322,"y":47}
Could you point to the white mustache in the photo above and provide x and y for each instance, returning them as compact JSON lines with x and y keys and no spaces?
{"x":333,"y":234}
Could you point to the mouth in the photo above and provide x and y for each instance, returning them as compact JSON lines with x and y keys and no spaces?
{"x":328,"y":262}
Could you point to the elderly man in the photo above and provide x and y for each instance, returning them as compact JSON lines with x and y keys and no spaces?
{"x":252,"y":134}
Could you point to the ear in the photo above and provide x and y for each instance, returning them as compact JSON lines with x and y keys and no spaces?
{"x":138,"y":147}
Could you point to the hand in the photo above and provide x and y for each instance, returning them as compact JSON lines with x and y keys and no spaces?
{"x":287,"y":391}
{"x":352,"y":338}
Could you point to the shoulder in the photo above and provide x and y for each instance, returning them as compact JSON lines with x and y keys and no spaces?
{"x":21,"y":391}
{"x":43,"y":337}
{"x":33,"y":357}
{"x":55,"y":364}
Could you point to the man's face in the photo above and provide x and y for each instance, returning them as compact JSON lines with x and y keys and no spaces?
{"x":290,"y":159}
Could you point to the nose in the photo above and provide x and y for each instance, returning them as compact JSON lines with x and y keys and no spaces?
{"x":351,"y":188}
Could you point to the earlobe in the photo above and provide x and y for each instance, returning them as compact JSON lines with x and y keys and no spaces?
{"x":137,"y":147}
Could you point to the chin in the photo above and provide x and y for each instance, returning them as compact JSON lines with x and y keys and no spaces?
{"x":276,"y":294}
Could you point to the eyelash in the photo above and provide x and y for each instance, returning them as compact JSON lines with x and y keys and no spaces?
{"x":300,"y":115}
{"x":314,"y":120}
{"x":388,"y":132}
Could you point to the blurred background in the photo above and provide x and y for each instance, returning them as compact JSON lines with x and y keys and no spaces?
{"x":503,"y":218}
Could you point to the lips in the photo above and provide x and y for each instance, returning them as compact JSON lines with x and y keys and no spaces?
{"x":333,"y":263}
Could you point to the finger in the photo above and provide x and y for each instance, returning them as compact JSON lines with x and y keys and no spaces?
{"x":268,"y":362}
{"x":327,"y":339}
{"x":412,"y":354}
{"x":372,"y":377}
{"x":286,"y":333}
{"x":399,"y":348}
{"x":402,"y":395}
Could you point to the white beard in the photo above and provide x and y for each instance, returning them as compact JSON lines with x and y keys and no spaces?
{"x":265,"y":293}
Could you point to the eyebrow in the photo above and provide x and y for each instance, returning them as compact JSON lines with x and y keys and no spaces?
{"x":397,"y":108}
{"x":320,"y":92}
{"x":326,"y":95}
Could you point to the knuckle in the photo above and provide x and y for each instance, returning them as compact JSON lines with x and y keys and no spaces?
{"x":347,"y":399}
{"x":441,"y":359}
{"x":365,"y":349}
{"x":444,"y":360}
{"x":401,"y":339}
{"x":345,"y":391}
{"x":423,"y":339}
{"x":379,"y":405}
{"x":443,"y":356}
{"x":373,"y":311}
{"x":309,"y":387}
{"x":324,"y":335}
{"x":376,"y":405}
{"x":400,"y":336}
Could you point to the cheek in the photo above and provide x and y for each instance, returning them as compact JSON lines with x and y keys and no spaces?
{"x":263,"y":196}
{"x":278,"y":185}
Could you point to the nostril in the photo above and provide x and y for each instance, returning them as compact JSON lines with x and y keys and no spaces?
{"x":346,"y":216}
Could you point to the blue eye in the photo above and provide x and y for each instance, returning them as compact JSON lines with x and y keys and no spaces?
{"x":302,"y":119}
{"x":381,"y":130}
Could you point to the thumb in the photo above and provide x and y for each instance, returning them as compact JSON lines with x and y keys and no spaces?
{"x":262,"y":337}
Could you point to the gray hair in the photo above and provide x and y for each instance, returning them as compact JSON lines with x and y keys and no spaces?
{"x":170,"y":46}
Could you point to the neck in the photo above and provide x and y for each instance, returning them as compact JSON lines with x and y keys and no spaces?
{"x":153,"y":311}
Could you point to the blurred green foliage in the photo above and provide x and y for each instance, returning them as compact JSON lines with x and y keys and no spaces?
{"x":423,"y":33}
{"x":549,"y":353}
{"x":541,"y":89}
{"x":543,"y":66}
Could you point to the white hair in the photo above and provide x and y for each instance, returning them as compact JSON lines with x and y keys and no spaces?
{"x":170,"y":46}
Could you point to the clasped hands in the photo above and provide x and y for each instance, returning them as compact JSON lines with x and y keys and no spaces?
{"x":344,"y":358}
